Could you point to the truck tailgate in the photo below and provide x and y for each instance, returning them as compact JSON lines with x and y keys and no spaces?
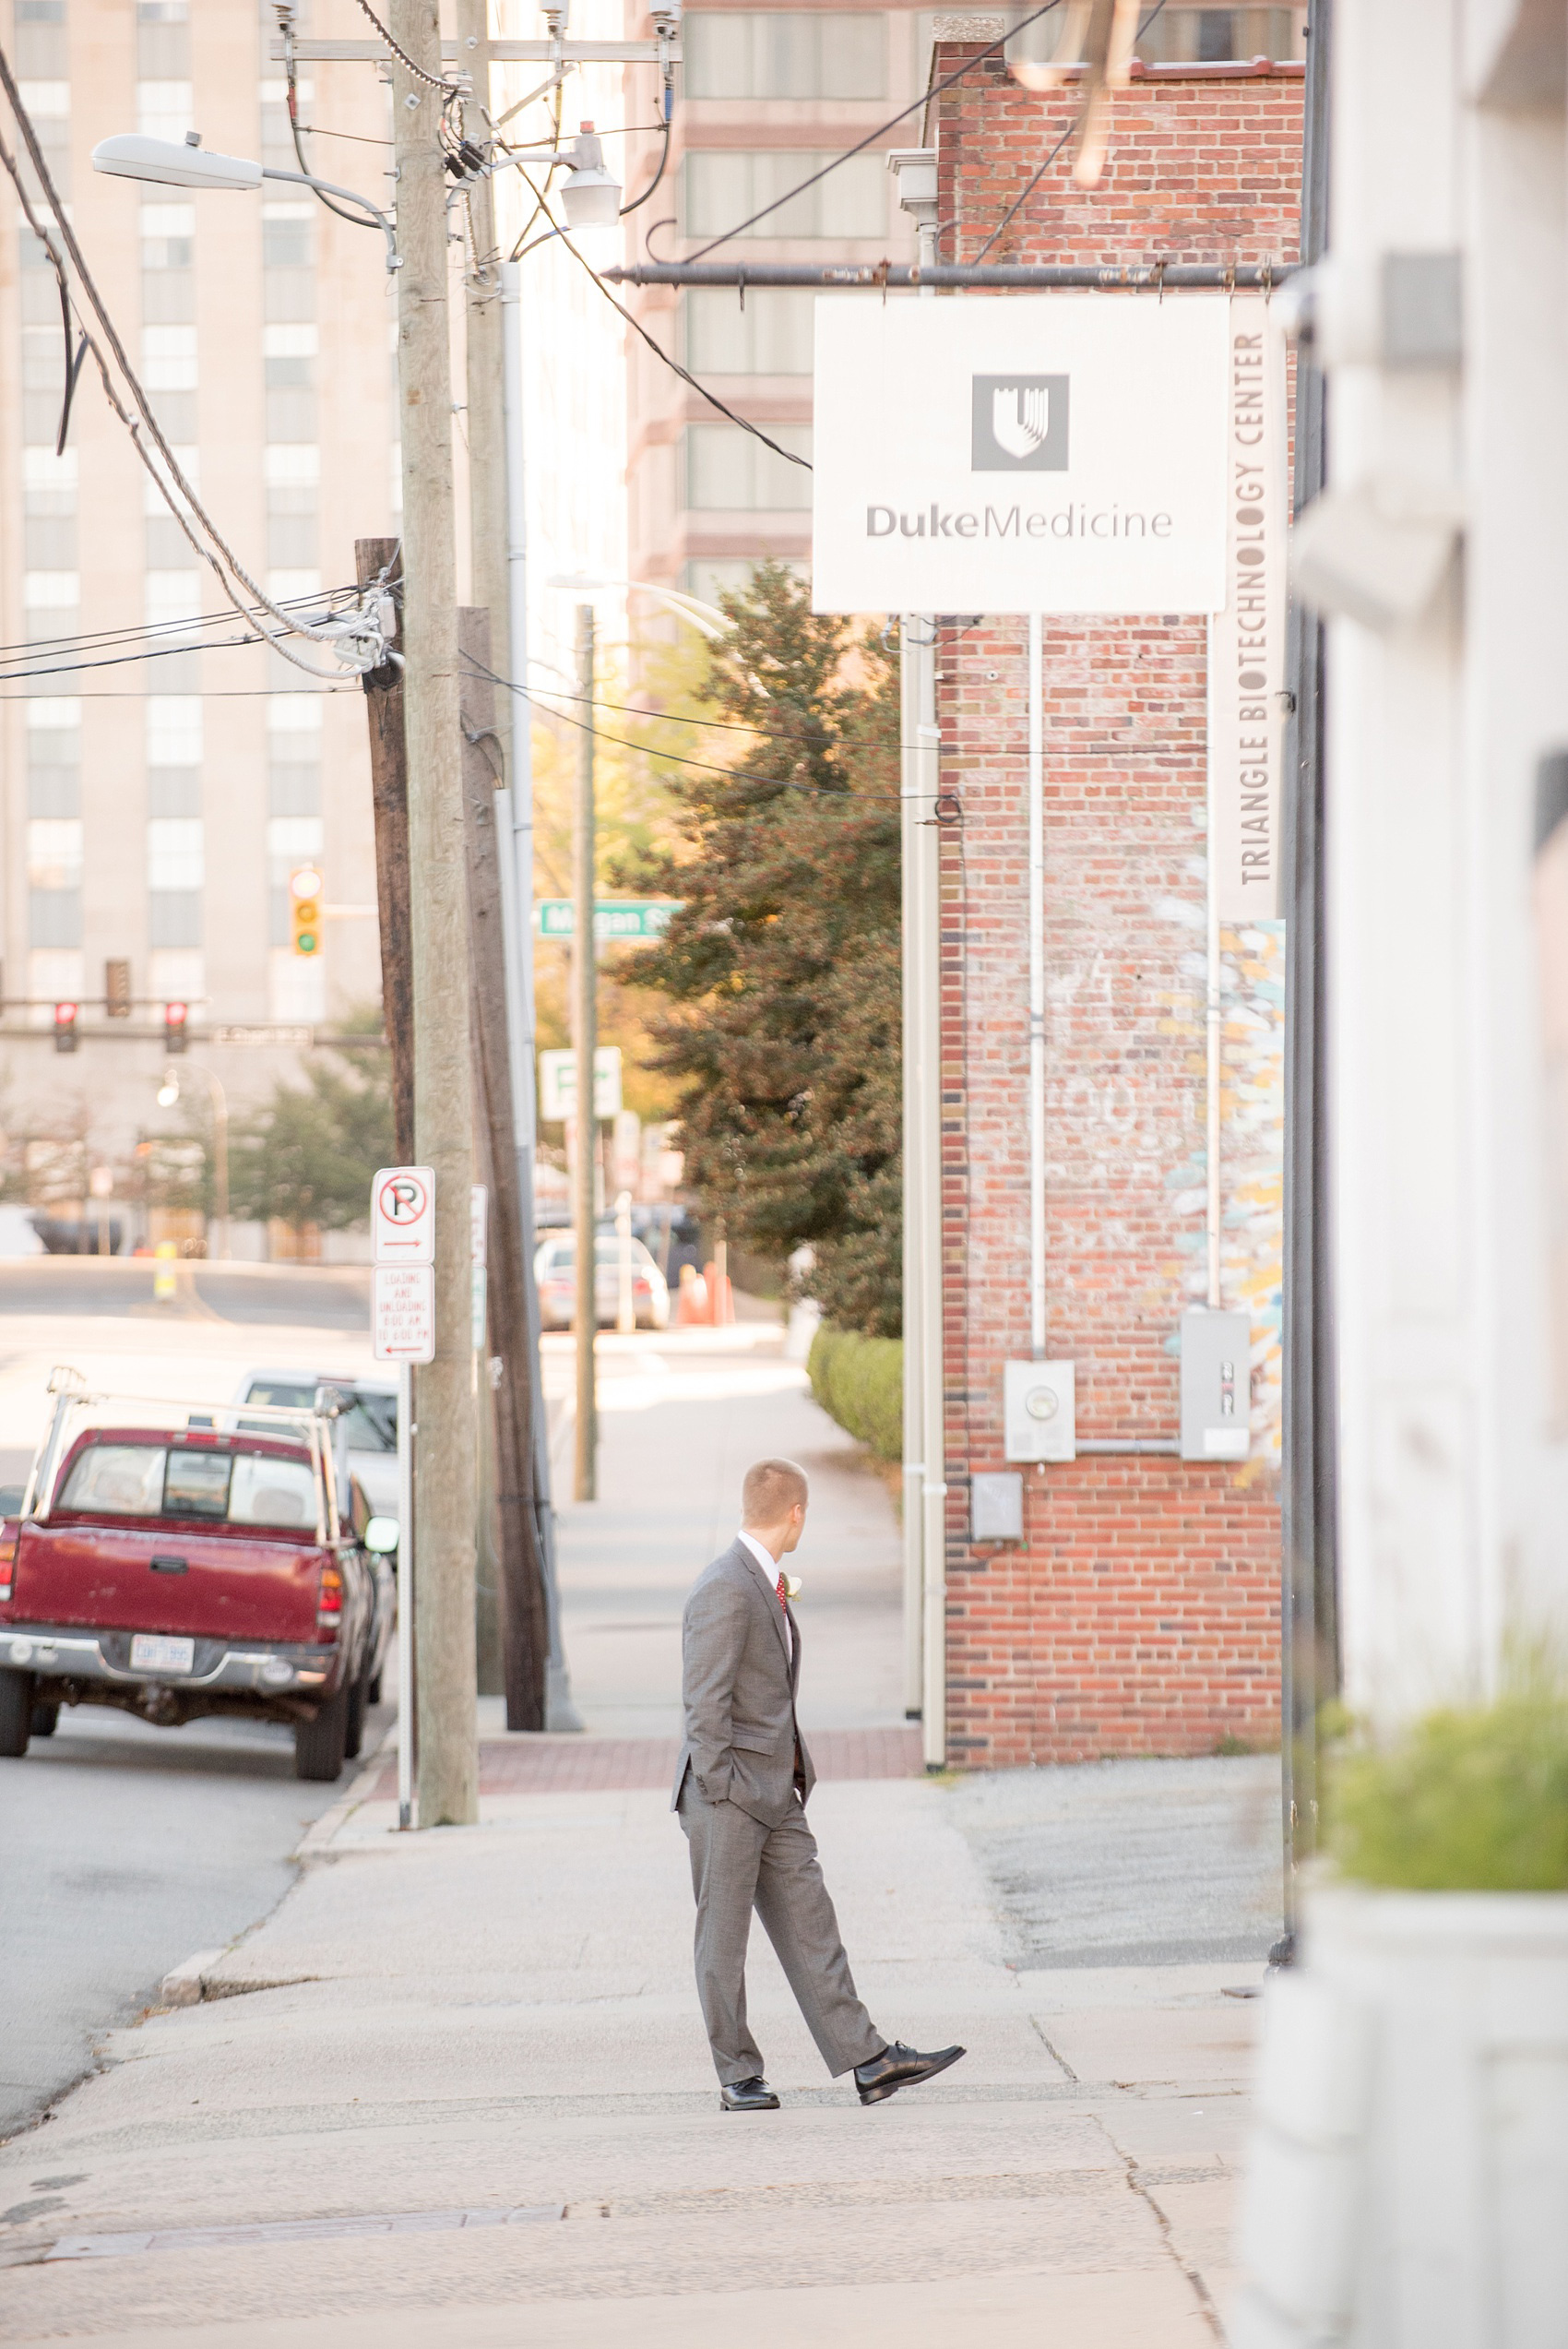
{"x":166,"y":1578}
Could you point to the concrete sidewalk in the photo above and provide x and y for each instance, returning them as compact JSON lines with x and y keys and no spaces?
{"x":500,"y":2020}
{"x":454,"y":2090}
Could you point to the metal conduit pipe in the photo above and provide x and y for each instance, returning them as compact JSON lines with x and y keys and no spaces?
{"x":1041,"y":277}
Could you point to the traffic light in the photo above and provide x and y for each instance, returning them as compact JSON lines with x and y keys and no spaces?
{"x":305,"y":909}
{"x":177,"y":1028}
{"x":117,"y":989}
{"x":66,"y":1034}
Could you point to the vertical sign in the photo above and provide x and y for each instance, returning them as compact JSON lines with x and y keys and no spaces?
{"x":479,"y":1219}
{"x":1247,"y":638}
{"x":402,"y":1224}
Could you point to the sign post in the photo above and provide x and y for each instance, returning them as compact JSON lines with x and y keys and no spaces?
{"x":402,"y":1224}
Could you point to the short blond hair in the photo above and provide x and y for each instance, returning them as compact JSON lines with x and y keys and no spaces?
{"x":771,"y":1489}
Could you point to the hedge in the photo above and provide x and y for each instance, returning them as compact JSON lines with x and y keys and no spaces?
{"x":860,"y":1382}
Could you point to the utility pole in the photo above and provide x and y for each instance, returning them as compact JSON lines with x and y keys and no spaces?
{"x":444,"y":1400}
{"x":585,"y":1003}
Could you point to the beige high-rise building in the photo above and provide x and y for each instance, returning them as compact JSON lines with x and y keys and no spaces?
{"x":154,"y":808}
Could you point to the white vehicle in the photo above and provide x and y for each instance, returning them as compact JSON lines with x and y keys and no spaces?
{"x":368,"y":1402}
{"x":555,"y":1270}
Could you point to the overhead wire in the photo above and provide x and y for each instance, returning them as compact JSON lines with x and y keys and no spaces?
{"x":871,"y":137}
{"x":224,"y":562}
{"x":849,"y":796}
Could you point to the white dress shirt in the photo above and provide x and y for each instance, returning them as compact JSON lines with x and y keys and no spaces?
{"x":771,"y":1568}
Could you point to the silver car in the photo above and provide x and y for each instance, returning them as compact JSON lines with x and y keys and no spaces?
{"x":555,"y":1270}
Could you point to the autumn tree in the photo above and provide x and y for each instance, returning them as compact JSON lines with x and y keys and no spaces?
{"x":780,"y":973}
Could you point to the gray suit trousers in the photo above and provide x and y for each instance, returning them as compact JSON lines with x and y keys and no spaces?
{"x":739,"y":1864}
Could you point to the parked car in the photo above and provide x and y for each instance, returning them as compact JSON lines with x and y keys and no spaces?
{"x":555,"y":1271}
{"x":366,"y":1409}
{"x":175,"y":1567}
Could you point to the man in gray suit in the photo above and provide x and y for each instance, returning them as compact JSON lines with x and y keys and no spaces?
{"x":742,"y":1786}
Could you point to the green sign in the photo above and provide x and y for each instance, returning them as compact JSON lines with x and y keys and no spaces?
{"x":613,"y":917}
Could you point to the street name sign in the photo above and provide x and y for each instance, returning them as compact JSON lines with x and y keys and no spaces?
{"x":402,"y":1215}
{"x":613,"y":917}
{"x":558,"y":1084}
{"x":1058,"y":452}
{"x":402,"y":1315}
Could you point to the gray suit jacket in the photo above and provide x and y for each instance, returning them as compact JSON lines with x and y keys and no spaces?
{"x":738,"y":1684}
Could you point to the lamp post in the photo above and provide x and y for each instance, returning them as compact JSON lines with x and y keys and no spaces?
{"x":168,"y":1094}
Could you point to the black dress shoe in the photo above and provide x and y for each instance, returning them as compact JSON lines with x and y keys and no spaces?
{"x":899,"y":2066}
{"x":747,"y":2096}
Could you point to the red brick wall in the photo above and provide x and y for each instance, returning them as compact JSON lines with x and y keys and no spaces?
{"x":1140,"y":1614}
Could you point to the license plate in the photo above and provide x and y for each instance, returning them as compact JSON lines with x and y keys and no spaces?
{"x":150,"y":1652}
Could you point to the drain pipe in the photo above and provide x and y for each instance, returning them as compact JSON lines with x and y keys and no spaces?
{"x":1212,"y":995}
{"x":1035,"y":788}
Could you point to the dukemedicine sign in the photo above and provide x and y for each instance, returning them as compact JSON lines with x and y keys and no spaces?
{"x":1053,"y":452}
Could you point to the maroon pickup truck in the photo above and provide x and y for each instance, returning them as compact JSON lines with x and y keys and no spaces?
{"x":222,"y":1562}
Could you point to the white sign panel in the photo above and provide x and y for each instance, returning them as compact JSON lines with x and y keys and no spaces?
{"x":558,"y":1084}
{"x":402,"y":1312}
{"x":402,"y":1215}
{"x":1246,"y":644}
{"x":1056,"y":452}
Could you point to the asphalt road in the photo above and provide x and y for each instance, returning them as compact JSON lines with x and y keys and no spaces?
{"x":124,"y":1848}
{"x":320,"y":1296}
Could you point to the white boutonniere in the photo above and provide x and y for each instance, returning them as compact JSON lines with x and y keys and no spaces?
{"x":791,"y":1586}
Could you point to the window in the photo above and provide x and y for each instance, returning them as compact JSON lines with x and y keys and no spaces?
{"x":169,"y":359}
{"x":173,"y":597}
{"x":49,"y":482}
{"x":772,"y":336}
{"x":168,"y":236}
{"x":117,"y":1480}
{"x":785,"y":55}
{"x":270,"y":1491}
{"x":286,"y":239}
{"x":54,"y":852}
{"x":728,"y":469}
{"x":163,"y":110}
{"x":174,"y":853}
{"x":174,"y":730}
{"x":149,"y":1480}
{"x":722,"y":188}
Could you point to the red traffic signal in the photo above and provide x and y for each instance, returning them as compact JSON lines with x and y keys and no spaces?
{"x":65,"y":1033}
{"x":176,"y":1034}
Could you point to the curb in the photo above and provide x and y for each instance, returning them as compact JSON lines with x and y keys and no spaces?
{"x":316,"y":1842}
{"x":184,"y":1987}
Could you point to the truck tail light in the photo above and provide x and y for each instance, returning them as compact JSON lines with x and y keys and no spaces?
{"x":329,"y":1601}
{"x":7,"y":1562}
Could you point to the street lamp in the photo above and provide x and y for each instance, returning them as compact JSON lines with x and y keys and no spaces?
{"x":713,"y":622}
{"x":129,"y":155}
{"x":168,"y":1094}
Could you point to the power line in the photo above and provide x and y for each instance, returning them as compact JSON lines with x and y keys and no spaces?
{"x":935,"y":90}
{"x":687,"y":377}
{"x":849,"y":796}
{"x":367,"y":635}
{"x":97,"y":639}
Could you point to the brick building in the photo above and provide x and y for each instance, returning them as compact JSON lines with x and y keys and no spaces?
{"x":1139,"y":1613}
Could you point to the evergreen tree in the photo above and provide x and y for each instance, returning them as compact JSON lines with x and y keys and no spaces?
{"x":308,"y":1155}
{"x":782,"y":968}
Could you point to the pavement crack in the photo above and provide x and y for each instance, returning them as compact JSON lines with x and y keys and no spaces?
{"x":1054,"y":2052}
{"x":1138,"y":2186}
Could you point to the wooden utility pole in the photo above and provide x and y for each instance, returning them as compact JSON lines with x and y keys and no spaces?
{"x":443,"y":1399}
{"x":381,"y":559}
{"x":585,"y":1023}
{"x":524,"y":1627}
{"x":487,"y":432}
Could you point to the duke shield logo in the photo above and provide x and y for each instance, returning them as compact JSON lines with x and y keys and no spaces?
{"x":1020,"y":424}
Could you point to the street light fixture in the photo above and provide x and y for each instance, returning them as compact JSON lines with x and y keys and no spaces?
{"x":168,"y":1095}
{"x":130,"y":155}
{"x":713,"y":622}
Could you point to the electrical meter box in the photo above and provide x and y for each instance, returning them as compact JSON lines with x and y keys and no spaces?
{"x":1038,"y":1411}
{"x":1216,"y":1385}
{"x":996,"y":1505}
